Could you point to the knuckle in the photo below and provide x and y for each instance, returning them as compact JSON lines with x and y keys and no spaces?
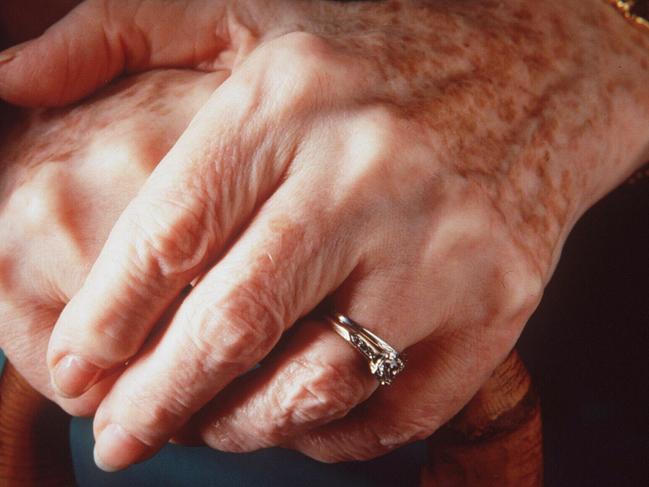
{"x":40,"y":202}
{"x":373,"y":146}
{"x":510,"y":287}
{"x":172,"y":237}
{"x":235,"y":332}
{"x":376,"y":130}
{"x":150,"y":415}
{"x":166,"y":412}
{"x":300,"y":50}
{"x":522,"y":290}
{"x":217,"y":439}
{"x":380,"y":166}
{"x":321,"y":392}
{"x":534,"y":287}
{"x":246,"y":337}
{"x":117,"y":344}
{"x":298,"y":63}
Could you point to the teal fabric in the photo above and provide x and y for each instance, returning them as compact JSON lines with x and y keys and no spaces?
{"x":177,"y":466}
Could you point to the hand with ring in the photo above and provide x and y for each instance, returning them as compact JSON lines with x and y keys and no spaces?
{"x":417,"y":164}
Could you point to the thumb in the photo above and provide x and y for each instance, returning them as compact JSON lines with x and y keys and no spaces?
{"x":99,"y":40}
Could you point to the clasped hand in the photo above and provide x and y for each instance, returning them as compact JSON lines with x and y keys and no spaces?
{"x":416,"y":165}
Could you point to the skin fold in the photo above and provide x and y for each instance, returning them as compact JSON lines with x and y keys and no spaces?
{"x":417,"y":164}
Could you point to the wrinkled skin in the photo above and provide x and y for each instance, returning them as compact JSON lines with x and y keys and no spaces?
{"x":66,"y":175}
{"x":420,"y":163}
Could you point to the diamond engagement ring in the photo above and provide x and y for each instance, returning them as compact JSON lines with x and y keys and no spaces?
{"x":383,"y":360}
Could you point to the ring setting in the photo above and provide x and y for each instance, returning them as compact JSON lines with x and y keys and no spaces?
{"x":384,"y":361}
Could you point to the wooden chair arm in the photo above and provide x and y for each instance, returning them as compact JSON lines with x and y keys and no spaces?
{"x":496,"y":440}
{"x":34,"y":436}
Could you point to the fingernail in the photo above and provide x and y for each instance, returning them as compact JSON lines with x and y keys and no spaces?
{"x":5,"y":57}
{"x":73,"y":376}
{"x":9,"y":54}
{"x":116,"y":449}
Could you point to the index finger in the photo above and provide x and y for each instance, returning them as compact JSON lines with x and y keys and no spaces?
{"x":185,"y":213}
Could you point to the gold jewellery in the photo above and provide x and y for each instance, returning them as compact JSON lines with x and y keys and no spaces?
{"x":637,"y":11}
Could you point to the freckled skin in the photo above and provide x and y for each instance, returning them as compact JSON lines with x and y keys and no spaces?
{"x":518,"y":77}
{"x":525,"y":67}
{"x":419,"y":163}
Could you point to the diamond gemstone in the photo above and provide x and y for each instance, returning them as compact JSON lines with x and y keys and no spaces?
{"x":388,"y":368}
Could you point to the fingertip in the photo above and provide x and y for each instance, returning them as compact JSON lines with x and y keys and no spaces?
{"x":7,"y":63}
{"x":101,"y":465}
{"x":117,"y":449}
{"x":36,"y":74}
{"x":67,"y":62}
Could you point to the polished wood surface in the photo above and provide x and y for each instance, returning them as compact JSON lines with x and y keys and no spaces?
{"x":495,"y":440}
{"x":34,"y":443}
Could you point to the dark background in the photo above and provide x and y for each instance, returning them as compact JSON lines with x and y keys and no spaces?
{"x":587,"y":348}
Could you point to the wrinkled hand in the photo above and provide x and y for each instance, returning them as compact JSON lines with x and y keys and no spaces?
{"x":419,"y":162}
{"x":65,"y":176}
